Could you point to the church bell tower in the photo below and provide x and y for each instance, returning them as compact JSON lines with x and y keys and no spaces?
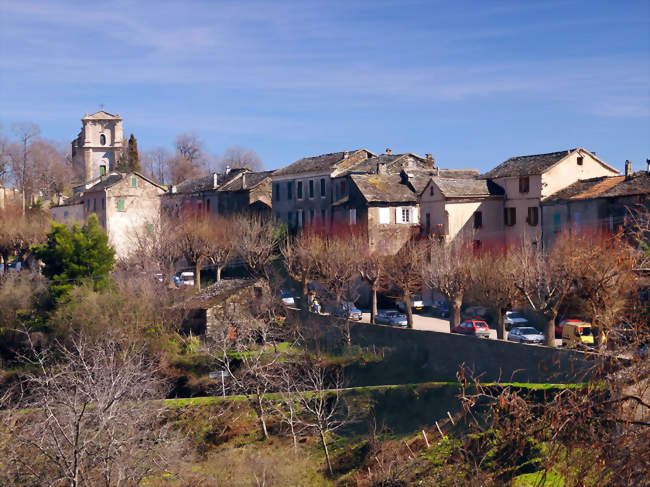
{"x":97,"y":147}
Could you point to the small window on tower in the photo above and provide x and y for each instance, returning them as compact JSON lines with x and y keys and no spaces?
{"x":102,"y":139}
{"x":102,"y":170}
{"x":581,"y":160}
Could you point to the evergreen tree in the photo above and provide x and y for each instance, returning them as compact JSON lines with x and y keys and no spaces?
{"x":75,"y":255}
{"x":130,"y":160}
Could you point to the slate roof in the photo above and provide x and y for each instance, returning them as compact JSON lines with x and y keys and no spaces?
{"x":217,"y":292}
{"x":458,"y":173}
{"x":604,"y":187}
{"x":390,"y":188}
{"x":106,"y":182}
{"x":75,"y":199}
{"x":471,"y":188}
{"x":527,"y":165}
{"x":246,"y":180}
{"x":321,"y":163}
{"x":392,"y":162}
{"x":195,"y":185}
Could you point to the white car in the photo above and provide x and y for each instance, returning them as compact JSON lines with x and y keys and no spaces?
{"x":288,"y":299}
{"x":187,"y":278}
{"x":514,"y":318}
{"x":526,"y":334}
{"x":416,"y":304}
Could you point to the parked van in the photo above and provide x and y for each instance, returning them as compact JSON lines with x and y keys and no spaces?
{"x":187,"y":278}
{"x":577,"y":334}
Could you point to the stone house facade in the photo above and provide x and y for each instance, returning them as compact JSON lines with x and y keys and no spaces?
{"x":303,"y":191}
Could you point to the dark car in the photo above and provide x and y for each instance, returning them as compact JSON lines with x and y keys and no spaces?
{"x":440,"y":308}
{"x":392,"y":318}
{"x":525,"y":334}
{"x":345,"y":309}
{"x":476,"y":328}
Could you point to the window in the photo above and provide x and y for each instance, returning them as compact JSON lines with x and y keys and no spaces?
{"x":533,"y":216}
{"x":102,"y":170}
{"x":299,"y":190}
{"x":65,"y":214}
{"x":134,"y":182}
{"x":276,"y":188}
{"x":311,"y":216}
{"x":323,"y":216}
{"x":510,"y":216}
{"x":299,"y":215}
{"x":428,"y":223}
{"x":102,"y":139}
{"x":94,"y":204}
{"x":322,"y":187}
{"x":290,"y":190}
{"x":524,"y":184}
{"x":557,"y":222}
{"x":431,"y":190}
{"x":353,"y":216}
{"x":342,"y":189}
{"x":580,"y":160}
{"x":88,"y":205}
{"x":103,"y":203}
{"x":478,"y":219}
{"x":384,"y":216}
{"x":406,"y":215}
{"x":311,"y":188}
{"x":120,"y":204}
{"x":207,"y":205}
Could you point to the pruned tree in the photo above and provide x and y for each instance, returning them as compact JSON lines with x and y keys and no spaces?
{"x":335,"y":264}
{"x":155,"y":164}
{"x":491,"y":284}
{"x":300,"y":254}
{"x":19,"y":231}
{"x":447,"y":270}
{"x":545,"y":278}
{"x":401,"y":276}
{"x":195,"y":237}
{"x":237,"y":156}
{"x":88,"y":419}
{"x":257,"y":242}
{"x":370,"y":269}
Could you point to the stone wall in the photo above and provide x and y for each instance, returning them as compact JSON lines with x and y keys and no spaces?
{"x":412,"y":356}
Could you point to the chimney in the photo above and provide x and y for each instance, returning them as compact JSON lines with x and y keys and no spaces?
{"x":243,"y":181}
{"x":381,"y":168}
{"x":389,"y":150}
{"x":227,"y":170}
{"x":214,"y":180}
{"x":628,"y":169}
{"x":345,"y":154}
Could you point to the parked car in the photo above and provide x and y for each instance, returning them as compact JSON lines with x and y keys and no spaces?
{"x":525,"y":334}
{"x":345,"y":309}
{"x":514,"y":318}
{"x":558,"y":328}
{"x":476,"y":328}
{"x":187,"y":278}
{"x":440,"y":308}
{"x":287,"y":298}
{"x":416,"y":304}
{"x":14,"y":266}
{"x":392,"y":318}
{"x":577,"y":334}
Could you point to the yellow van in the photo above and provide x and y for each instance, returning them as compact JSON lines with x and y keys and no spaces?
{"x":576,"y":334}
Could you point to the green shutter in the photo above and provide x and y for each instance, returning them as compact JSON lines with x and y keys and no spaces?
{"x":120,"y":204}
{"x":557,"y":219}
{"x":134,"y":182}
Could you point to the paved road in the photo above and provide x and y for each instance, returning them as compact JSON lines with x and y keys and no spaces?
{"x":425,"y":321}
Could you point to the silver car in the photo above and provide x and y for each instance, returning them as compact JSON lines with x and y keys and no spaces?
{"x":392,"y":318}
{"x":526,"y":334}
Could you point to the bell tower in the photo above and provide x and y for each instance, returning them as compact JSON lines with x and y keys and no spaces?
{"x":97,"y":147}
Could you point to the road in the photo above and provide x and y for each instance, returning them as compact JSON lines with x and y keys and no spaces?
{"x":425,"y":321}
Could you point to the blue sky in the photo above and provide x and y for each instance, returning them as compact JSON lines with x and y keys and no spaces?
{"x":473,"y":83}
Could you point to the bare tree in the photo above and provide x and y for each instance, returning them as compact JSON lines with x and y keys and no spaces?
{"x":91,"y":420}
{"x":491,"y":284}
{"x":189,"y":146}
{"x":402,"y":274}
{"x":20,"y":155}
{"x":300,"y":255}
{"x":544,"y":279}
{"x":370,"y":268}
{"x":19,"y":231}
{"x":237,"y":156}
{"x":447,"y":271}
{"x":155,"y":164}
{"x":257,"y":242}
{"x":322,"y":406}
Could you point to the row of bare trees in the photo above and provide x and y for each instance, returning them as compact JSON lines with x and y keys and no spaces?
{"x":591,"y":271}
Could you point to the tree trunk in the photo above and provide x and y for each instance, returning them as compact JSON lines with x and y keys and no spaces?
{"x":305,"y":293}
{"x":219,"y":272}
{"x":327,"y":453}
{"x":501,"y":326}
{"x":406,"y":299}
{"x":550,"y":331}
{"x":260,"y":414}
{"x":455,"y":303}
{"x":197,"y":275}
{"x":373,"y":308}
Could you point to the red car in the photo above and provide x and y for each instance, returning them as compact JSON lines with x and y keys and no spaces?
{"x":558,"y":328}
{"x":477,"y":328}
